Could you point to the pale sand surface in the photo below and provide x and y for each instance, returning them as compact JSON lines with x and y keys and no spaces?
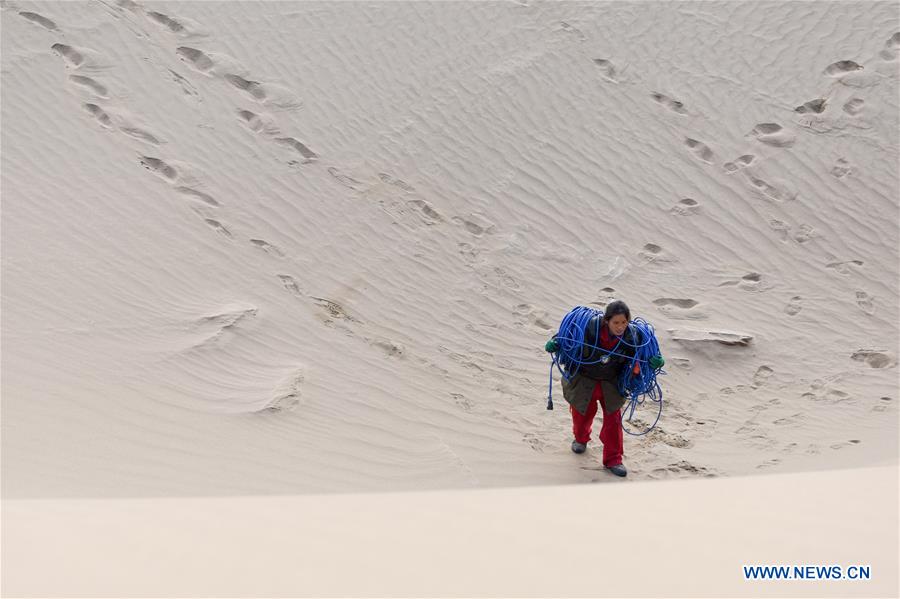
{"x":662,"y":539}
{"x":302,"y":249}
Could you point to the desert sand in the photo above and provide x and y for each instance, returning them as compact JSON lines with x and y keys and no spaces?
{"x":295,"y":255}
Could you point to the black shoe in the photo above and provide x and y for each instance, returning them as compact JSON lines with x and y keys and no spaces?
{"x":578,"y":447}
{"x":618,"y":470}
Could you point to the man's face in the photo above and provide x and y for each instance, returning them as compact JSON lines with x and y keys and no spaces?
{"x":618,"y":324}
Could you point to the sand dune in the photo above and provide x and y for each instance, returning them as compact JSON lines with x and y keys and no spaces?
{"x":291,"y":248}
{"x":286,"y":232}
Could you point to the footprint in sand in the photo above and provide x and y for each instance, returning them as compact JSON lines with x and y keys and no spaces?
{"x":93,"y":85}
{"x":841,"y":68}
{"x":430,"y":213}
{"x":761,"y":376}
{"x":874,"y":358}
{"x":606,"y":295}
{"x":391,"y":349}
{"x":533,"y":316}
{"x":195,"y":58}
{"x":804,"y":233}
{"x":159,"y":168}
{"x":128,"y":4}
{"x":866,"y":302}
{"x":792,"y":420}
{"x":70,"y":55}
{"x":709,"y":422}
{"x":769,"y":463}
{"x":197,"y":195}
{"x":167,"y":22}
{"x":684,"y":364}
{"x":276,"y":95}
{"x":854,"y":106}
{"x":395,"y":182}
{"x":573,"y":31}
{"x":816,"y":106}
{"x":290,"y":284}
{"x":99,"y":114}
{"x":775,"y":192}
{"x":469,"y":253}
{"x":218,"y":227}
{"x":308,"y":155}
{"x":781,"y":228}
{"x":845,"y":444}
{"x":38,"y":19}
{"x":334,"y":309}
{"x":794,"y":306}
{"x":738,"y":163}
{"x":820,"y":392}
{"x":773,"y":134}
{"x":104,"y":119}
{"x":882,"y":407}
{"x":812,"y":449}
{"x":535,"y":442}
{"x":344,"y":179}
{"x":700,"y":150}
{"x":670,"y":439}
{"x":523,"y":309}
{"x":607,"y":70}
{"x":253,"y":88}
{"x":845,"y":267}
{"x":836,"y":396}
{"x":258,"y":123}
{"x":504,"y":278}
{"x":891,"y":49}
{"x":686,"y":207}
{"x":475,"y":224}
{"x":668,"y":102}
{"x":751,"y":281}
{"x":679,"y":308}
{"x":267,"y":247}
{"x":682,"y":467}
{"x":141,"y":135}
{"x":841,"y":169}
{"x":462,"y":401}
{"x":654,"y":253}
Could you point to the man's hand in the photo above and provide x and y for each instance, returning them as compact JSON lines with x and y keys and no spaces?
{"x":551,"y":346}
{"x":657,"y":362}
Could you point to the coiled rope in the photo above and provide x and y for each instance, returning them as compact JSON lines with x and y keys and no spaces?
{"x":634,"y":387}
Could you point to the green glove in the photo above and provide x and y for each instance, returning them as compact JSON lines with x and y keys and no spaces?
{"x":552,"y":346}
{"x":657,"y":362}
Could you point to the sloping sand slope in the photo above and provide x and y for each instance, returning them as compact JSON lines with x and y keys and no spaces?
{"x":317,"y":247}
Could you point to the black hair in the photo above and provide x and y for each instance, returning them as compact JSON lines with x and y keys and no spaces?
{"x":597,"y":322}
{"x":614,"y":308}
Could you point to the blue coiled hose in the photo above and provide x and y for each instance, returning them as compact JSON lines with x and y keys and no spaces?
{"x":635,"y":388}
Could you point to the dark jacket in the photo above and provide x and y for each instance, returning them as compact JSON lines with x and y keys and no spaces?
{"x":579,"y":389}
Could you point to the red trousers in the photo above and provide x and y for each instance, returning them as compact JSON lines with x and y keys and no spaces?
{"x":611,"y":434}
